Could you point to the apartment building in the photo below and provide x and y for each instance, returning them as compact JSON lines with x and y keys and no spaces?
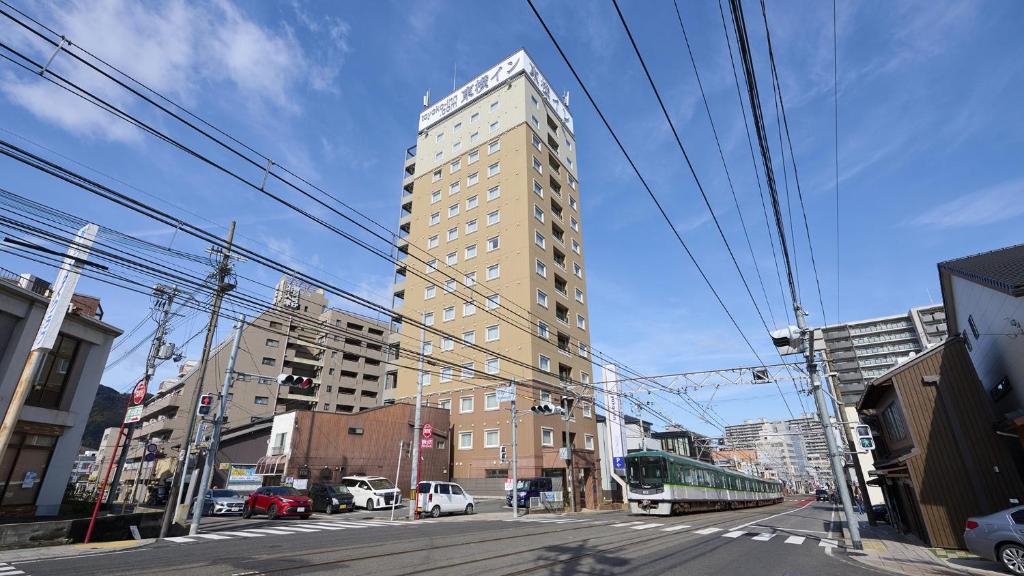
{"x":344,"y":354}
{"x":795,"y":449}
{"x":492,"y":256}
{"x":42,"y":452}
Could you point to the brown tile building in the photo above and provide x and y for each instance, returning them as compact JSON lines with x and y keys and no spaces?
{"x":493,"y":259}
{"x":345,"y":354}
{"x":937,"y":456}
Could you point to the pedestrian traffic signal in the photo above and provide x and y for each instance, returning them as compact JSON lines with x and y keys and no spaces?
{"x":865,"y":441}
{"x":503,"y":453}
{"x":291,"y":380}
{"x":205,"y":404}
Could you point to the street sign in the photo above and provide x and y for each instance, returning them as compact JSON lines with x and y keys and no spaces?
{"x":64,"y":287}
{"x":619,"y":463}
{"x":151,"y":448}
{"x":504,"y":394}
{"x":428,"y":430}
{"x":139,"y":393}
{"x":564,"y":453}
{"x":133,"y":414}
{"x":426,"y":443}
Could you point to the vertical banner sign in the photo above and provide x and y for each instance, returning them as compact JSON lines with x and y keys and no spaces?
{"x":616,"y":430}
{"x":64,"y":287}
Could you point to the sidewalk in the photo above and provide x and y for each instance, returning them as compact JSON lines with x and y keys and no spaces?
{"x":71,"y":550}
{"x":886,"y":549}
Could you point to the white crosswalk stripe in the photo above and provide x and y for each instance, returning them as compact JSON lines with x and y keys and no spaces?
{"x":7,"y":570}
{"x":734,"y":534}
{"x":828,"y":543}
{"x":676,"y":527}
{"x":280,"y":529}
{"x":644,"y":526}
{"x":621,"y":524}
{"x":795,"y":540}
{"x":763,"y":537}
{"x":708,"y":530}
{"x":179,"y":539}
{"x":212,"y":536}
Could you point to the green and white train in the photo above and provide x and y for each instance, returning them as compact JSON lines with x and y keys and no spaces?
{"x":660,"y":483}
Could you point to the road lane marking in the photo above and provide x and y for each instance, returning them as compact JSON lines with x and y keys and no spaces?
{"x":621,"y":524}
{"x":179,"y":539}
{"x":644,"y":526}
{"x":268,"y":531}
{"x":795,"y":540}
{"x":826,"y":543}
{"x":763,"y":537}
{"x":676,"y":527}
{"x":734,"y":534}
{"x":212,"y":536}
{"x":241,"y":534}
{"x":321,"y":526}
{"x":350,"y":524}
{"x":708,"y":531}
{"x":792,"y":529}
{"x":759,"y":520}
{"x":291,"y":529}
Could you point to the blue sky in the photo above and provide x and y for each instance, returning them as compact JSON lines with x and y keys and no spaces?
{"x":930,"y":142}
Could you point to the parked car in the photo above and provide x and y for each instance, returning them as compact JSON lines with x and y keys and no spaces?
{"x":528,"y":488}
{"x":881,"y":512}
{"x":998,"y":537}
{"x":372,"y":492}
{"x":277,"y":502}
{"x":821,"y":495}
{"x":436,"y":498}
{"x":219,"y":502}
{"x":331,"y":498}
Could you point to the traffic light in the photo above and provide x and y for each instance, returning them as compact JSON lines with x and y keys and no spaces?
{"x":205,"y":404}
{"x":290,"y":380}
{"x":503,"y":453}
{"x":546,"y":408}
{"x":865,"y":441}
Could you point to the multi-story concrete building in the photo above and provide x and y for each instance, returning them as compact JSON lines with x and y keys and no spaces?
{"x":345,"y":355}
{"x":857,"y":352}
{"x":37,"y":464}
{"x":794,"y":449}
{"x":493,"y":258}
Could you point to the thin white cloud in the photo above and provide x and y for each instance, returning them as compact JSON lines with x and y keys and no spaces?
{"x":183,"y":50}
{"x":987,"y":206}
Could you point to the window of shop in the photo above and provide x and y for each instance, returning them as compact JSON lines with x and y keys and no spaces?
{"x":24,"y":467}
{"x":55,"y":373}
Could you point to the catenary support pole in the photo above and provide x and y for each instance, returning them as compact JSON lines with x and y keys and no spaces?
{"x":417,"y":429}
{"x":515,"y":454}
{"x":398,"y":475}
{"x":221,"y":287}
{"x":218,"y":423}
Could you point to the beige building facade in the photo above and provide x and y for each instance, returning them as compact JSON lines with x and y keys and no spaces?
{"x":345,"y":355}
{"x":493,"y":263}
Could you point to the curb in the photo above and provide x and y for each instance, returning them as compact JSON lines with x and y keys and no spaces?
{"x":71,"y":550}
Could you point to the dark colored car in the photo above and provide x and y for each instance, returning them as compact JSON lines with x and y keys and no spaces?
{"x":277,"y":502}
{"x":528,"y":488}
{"x":331,"y":498}
{"x":881,"y":512}
{"x":821,"y":495}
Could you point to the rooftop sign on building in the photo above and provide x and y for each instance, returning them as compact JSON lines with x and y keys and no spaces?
{"x":484,"y":83}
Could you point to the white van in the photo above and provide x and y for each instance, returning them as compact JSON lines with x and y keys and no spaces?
{"x":372,"y":492}
{"x":436,"y":498}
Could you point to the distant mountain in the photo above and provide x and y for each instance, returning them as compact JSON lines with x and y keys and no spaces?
{"x":107,"y":411}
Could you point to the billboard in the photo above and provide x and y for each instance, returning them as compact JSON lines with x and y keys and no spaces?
{"x":243,"y":478}
{"x":484,"y":83}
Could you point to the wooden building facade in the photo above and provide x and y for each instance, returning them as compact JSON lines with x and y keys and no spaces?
{"x":938,"y":458}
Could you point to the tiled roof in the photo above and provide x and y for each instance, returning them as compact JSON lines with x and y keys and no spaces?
{"x":1001,"y":270}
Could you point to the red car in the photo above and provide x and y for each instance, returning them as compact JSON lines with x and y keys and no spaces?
{"x":277,"y":502}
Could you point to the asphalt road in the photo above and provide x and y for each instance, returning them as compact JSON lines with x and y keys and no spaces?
{"x":792,"y":538}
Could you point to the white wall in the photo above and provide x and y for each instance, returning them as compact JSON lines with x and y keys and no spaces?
{"x":994,"y":353}
{"x":283,"y":424}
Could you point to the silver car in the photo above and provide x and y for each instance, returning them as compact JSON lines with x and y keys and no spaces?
{"x":998,"y":537}
{"x":220,"y":501}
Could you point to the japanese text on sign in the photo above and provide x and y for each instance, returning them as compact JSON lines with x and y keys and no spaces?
{"x":480,"y":85}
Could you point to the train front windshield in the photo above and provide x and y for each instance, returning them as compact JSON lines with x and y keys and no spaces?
{"x":646,"y":472}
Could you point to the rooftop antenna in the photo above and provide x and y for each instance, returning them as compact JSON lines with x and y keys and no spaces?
{"x":454,"y":72}
{"x":426,"y":99}
{"x":565,"y":98}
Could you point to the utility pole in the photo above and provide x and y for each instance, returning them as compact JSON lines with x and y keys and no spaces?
{"x":221,"y":287}
{"x":164,"y":297}
{"x":566,"y":417}
{"x":834,"y":453}
{"x":222,"y":408}
{"x":60,"y":299}
{"x":515,"y":454}
{"x":417,"y":429}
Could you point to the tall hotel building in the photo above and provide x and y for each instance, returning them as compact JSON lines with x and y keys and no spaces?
{"x":492,"y":256}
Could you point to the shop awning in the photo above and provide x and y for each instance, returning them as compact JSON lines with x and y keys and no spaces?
{"x":271,"y":465}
